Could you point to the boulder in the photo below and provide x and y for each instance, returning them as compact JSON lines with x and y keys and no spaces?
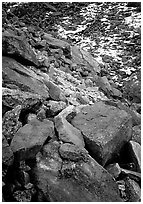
{"x":105,"y":130}
{"x":24,"y":78}
{"x":18,"y":47}
{"x":29,"y":139}
{"x":11,"y":123}
{"x":7,"y":154}
{"x":136,"y":134}
{"x":132,"y":190}
{"x":68,"y":181}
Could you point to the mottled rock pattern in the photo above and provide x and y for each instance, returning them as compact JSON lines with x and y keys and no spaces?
{"x":136,"y":134}
{"x":11,"y":123}
{"x":132,"y":190}
{"x":7,"y":154}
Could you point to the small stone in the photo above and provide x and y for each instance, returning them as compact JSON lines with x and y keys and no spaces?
{"x":41,"y":115}
{"x":114,"y":170}
{"x":30,"y":117}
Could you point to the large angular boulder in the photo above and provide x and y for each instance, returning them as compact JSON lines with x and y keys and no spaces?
{"x":24,"y":78}
{"x":18,"y":46}
{"x":60,"y":180}
{"x":29,"y":139}
{"x":105,"y":130}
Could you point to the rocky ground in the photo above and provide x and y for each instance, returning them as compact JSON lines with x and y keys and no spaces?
{"x":71,"y":125}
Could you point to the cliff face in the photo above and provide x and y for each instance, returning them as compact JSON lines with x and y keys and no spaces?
{"x":67,"y":130}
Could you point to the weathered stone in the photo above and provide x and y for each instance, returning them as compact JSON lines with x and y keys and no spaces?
{"x":114,"y":169}
{"x":26,"y":79}
{"x":136,"y":117}
{"x":54,"y":107}
{"x":7,"y":154}
{"x":83,"y":58}
{"x":29,"y":139}
{"x":105,"y":130}
{"x":11,"y":123}
{"x":68,"y":133}
{"x":132,"y":190}
{"x":134,"y":152}
{"x":82,"y":99}
{"x":59,"y":181}
{"x":12,"y":98}
{"x":136,"y":134}
{"x":18,"y":47}
{"x":54,"y":90}
{"x":73,"y":152}
{"x":54,"y":42}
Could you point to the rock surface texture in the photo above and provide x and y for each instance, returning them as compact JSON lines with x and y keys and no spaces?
{"x":105,"y":130}
{"x":69,"y":132}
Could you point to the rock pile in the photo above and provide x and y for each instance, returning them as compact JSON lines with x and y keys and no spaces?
{"x":68,"y":134}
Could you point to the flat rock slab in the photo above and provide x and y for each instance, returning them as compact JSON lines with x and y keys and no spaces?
{"x":29,"y":139}
{"x":24,"y":78}
{"x":105,"y":129}
{"x":68,"y":181}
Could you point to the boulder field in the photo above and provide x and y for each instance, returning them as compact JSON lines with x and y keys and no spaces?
{"x":68,"y":135}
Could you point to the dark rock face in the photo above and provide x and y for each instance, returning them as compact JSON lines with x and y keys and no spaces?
{"x":18,"y":46}
{"x":25,"y":79}
{"x":29,"y":139}
{"x":105,"y":129}
{"x":72,"y":181}
{"x":134,"y":151}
